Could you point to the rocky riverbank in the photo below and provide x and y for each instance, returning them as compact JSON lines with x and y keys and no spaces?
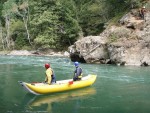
{"x":37,"y":53}
{"x":125,"y":44}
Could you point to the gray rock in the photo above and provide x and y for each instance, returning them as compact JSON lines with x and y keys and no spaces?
{"x":128,"y":44}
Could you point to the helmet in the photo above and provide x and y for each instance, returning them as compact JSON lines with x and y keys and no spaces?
{"x":76,"y":64}
{"x":47,"y":65}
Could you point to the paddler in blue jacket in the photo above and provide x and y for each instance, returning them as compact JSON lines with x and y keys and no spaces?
{"x":77,"y":72}
{"x":50,"y":77}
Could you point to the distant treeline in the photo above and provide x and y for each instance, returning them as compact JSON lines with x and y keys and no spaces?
{"x":45,"y":24}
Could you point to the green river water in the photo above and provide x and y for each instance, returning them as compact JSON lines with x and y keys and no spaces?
{"x":117,"y":89}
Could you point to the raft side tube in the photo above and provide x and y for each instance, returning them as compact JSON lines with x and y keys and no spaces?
{"x":23,"y":84}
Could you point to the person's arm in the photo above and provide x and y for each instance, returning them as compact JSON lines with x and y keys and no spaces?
{"x":75,"y":73}
{"x":46,"y":78}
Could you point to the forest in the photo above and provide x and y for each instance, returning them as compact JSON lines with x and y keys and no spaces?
{"x":56,"y":24}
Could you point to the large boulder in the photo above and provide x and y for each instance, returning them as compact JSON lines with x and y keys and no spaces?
{"x":135,"y":54}
{"x":91,"y":49}
{"x":127,"y":44}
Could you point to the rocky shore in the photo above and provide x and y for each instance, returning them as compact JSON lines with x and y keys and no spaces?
{"x":125,"y":44}
{"x":35,"y":53}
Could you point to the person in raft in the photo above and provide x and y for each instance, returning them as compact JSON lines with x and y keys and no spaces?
{"x":77,"y":72}
{"x":50,"y":76}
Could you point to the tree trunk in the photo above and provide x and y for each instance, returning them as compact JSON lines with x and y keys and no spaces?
{"x":26,"y":27}
{"x":7,"y":20}
{"x":1,"y":32}
{"x":25,"y":17}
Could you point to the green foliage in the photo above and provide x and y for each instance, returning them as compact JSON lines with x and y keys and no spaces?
{"x":18,"y":34}
{"x":44,"y":25}
{"x":45,"y":41}
{"x":148,"y":6}
{"x":8,"y":8}
{"x":69,"y":29}
{"x":134,"y":3}
{"x":59,"y":23}
{"x":54,"y":25}
{"x":1,"y":7}
{"x":17,"y":26}
{"x":90,"y":16}
{"x":20,"y":42}
{"x":114,"y":20}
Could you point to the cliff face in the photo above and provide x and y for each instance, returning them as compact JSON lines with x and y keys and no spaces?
{"x":126,"y":44}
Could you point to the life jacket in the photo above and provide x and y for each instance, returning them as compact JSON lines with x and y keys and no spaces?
{"x":50,"y":73}
{"x":79,"y":73}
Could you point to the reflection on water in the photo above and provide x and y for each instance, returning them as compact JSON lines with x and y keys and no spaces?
{"x":37,"y":101}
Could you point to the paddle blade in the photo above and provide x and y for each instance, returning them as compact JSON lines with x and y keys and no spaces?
{"x":70,"y":82}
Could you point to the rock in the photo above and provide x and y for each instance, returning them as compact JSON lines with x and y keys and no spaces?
{"x":20,"y":52}
{"x":128,"y":44}
{"x":131,"y":21}
{"x":35,"y":52}
{"x":90,"y":49}
{"x":66,"y":54}
{"x":125,"y":19}
{"x":39,"y":53}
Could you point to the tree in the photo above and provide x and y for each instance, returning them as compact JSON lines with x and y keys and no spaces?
{"x":1,"y":36}
{"x":89,"y":15}
{"x":23,"y":11}
{"x":7,"y":13}
{"x":56,"y":23}
{"x":44,"y":23}
{"x":70,"y":29}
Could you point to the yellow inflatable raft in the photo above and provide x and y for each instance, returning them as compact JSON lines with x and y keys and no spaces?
{"x":60,"y":86}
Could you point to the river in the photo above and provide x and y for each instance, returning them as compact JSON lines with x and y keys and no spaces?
{"x":118,"y":89}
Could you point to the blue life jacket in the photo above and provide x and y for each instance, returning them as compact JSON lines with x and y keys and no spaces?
{"x":77,"y":73}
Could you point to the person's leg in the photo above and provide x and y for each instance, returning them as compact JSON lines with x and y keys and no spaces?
{"x":74,"y":79}
{"x":142,"y":15}
{"x":53,"y":81}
